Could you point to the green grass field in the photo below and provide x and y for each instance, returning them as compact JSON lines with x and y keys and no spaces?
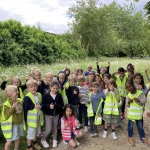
{"x":22,"y":71}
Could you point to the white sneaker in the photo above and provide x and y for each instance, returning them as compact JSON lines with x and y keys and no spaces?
{"x":65,"y":142}
{"x":95,"y":134}
{"x":85,"y":129}
{"x":45,"y":144}
{"x":78,"y":126}
{"x":55,"y":143}
{"x":91,"y":135}
{"x":114,"y":136}
{"x":77,"y":142}
{"x":104,"y":134}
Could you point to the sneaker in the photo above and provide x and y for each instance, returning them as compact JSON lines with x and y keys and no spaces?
{"x":104,"y":134}
{"x":45,"y":144}
{"x":114,"y":136}
{"x":95,"y":134}
{"x":85,"y":129}
{"x":65,"y":142}
{"x":91,"y":135}
{"x":78,"y":126}
{"x":37,"y":146}
{"x":55,"y":143}
{"x":77,"y":142}
{"x":146,"y":141}
{"x":131,"y":141}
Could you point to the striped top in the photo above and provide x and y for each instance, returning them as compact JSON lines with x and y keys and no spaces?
{"x":66,"y":131}
{"x":84,"y":90}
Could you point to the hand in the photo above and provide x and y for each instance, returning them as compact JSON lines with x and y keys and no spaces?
{"x":39,"y":82}
{"x":108,"y":63}
{"x":8,"y":79}
{"x":146,"y":70}
{"x":90,"y":100}
{"x":148,"y":114}
{"x":96,"y":62}
{"x":136,"y":100}
{"x":15,"y":104}
{"x":80,"y":96}
{"x":66,"y":125}
{"x":64,"y":87}
{"x":139,"y":87}
{"x":99,"y":115}
{"x":130,"y":101}
{"x":37,"y":106}
{"x":75,"y":92}
{"x":51,"y":106}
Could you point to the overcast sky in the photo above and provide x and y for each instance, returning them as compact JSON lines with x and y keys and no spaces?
{"x":50,"y":13}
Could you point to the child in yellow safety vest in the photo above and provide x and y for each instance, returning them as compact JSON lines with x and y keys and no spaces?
{"x":33,"y":115}
{"x":110,"y":111}
{"x":120,"y":77}
{"x":12,"y":117}
{"x":96,"y":100}
{"x":135,"y":103}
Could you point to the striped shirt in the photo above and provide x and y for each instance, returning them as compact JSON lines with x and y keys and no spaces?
{"x":84,"y":90}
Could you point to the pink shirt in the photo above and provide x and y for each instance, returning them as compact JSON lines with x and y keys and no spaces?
{"x":66,"y":132}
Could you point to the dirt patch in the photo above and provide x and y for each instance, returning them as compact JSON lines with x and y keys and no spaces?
{"x":99,"y":143}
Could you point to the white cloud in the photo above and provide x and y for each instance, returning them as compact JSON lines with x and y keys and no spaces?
{"x":50,"y":13}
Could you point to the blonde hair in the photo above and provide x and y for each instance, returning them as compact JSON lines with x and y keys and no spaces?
{"x":72,"y":77}
{"x":61,"y":75}
{"x":9,"y":90}
{"x":14,"y":79}
{"x":31,"y":82}
{"x":49,"y":73}
{"x":35,"y":70}
{"x":81,"y":78}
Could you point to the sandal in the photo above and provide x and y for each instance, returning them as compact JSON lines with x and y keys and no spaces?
{"x":131,"y":141}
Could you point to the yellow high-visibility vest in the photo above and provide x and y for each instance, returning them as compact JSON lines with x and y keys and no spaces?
{"x":32,"y":116}
{"x":121,"y":85}
{"x":135,"y":111}
{"x":6,"y":125}
{"x":111,"y":105}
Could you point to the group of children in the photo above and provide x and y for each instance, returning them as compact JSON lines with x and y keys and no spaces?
{"x":61,"y":100}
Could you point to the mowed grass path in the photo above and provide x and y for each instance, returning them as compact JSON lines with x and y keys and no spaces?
{"x":23,"y":70}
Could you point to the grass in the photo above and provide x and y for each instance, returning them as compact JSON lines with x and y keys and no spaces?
{"x":23,"y":71}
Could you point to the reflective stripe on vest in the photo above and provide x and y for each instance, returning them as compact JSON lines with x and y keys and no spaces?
{"x":6,"y":125}
{"x":90,"y":110}
{"x":32,"y":116}
{"x":98,"y":120}
{"x":121,"y":85}
{"x":111,"y":105}
{"x":135,"y":111}
{"x":21,"y":94}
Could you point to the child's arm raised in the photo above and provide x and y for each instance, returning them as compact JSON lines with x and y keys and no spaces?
{"x":147,"y":76}
{"x":98,"y":69}
{"x":3,"y":85}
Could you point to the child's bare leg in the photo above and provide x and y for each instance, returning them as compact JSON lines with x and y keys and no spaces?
{"x":106,"y":125}
{"x":17,"y":144}
{"x":7,"y":145}
{"x":79,"y":135}
{"x":113,"y":126}
{"x":72,"y":143}
{"x":28,"y":142}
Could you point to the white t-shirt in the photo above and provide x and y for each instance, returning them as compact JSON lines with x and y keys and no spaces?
{"x":53,"y":96}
